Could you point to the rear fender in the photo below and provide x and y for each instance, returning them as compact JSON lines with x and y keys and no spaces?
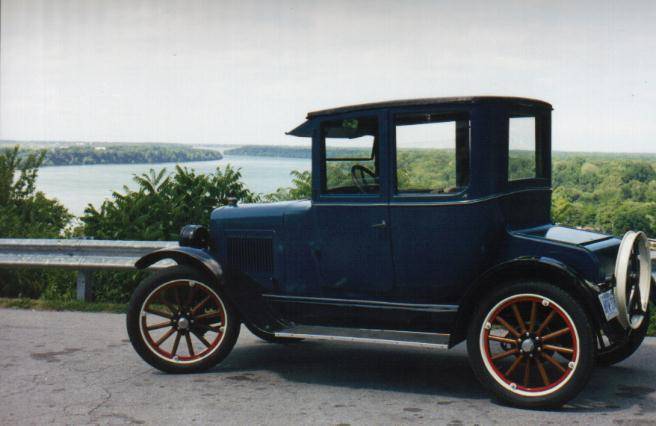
{"x":538,"y":268}
{"x":244,"y":293}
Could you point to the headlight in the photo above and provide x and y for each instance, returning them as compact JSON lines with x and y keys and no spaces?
{"x":194,"y":236}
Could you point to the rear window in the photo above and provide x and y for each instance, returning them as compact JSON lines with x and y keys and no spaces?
{"x":522,"y":148}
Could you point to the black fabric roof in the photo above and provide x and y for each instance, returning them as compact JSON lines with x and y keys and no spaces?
{"x":430,"y":101}
{"x":305,"y":129}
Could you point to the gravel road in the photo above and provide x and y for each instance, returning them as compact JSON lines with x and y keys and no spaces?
{"x":79,"y":368}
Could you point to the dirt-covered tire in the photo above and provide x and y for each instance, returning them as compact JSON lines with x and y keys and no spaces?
{"x":531,"y":345}
{"x":178,"y":321}
{"x":618,"y":353}
{"x":270,"y":338}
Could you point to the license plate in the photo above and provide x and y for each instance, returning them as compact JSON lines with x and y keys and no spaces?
{"x":607,"y":300}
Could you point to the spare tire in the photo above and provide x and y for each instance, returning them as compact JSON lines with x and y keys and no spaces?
{"x":633,"y":279}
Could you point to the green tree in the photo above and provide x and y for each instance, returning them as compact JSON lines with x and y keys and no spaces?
{"x":629,"y":215}
{"x":27,"y":213}
{"x":156,"y":210}
{"x":162,"y":203}
{"x":24,"y":211}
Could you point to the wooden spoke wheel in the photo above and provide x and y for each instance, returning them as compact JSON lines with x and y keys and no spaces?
{"x":179,"y":323}
{"x":532,"y":345}
{"x":183,"y":321}
{"x":529,"y":344}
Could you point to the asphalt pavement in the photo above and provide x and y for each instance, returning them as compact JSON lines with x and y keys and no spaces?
{"x":79,"y":368}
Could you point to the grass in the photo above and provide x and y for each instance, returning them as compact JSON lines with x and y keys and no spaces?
{"x":56,"y":305}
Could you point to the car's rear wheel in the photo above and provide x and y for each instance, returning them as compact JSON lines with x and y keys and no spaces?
{"x":179,"y":322}
{"x":531,"y":345}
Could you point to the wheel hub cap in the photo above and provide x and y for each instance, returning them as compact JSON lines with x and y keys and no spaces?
{"x":528,"y":345}
{"x":183,"y":323}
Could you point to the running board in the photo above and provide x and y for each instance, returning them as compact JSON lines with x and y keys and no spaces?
{"x":390,"y":337}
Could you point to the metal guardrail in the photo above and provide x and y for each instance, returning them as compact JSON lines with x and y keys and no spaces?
{"x":87,"y":256}
{"x":84,"y":256}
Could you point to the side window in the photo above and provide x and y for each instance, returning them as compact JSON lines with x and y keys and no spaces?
{"x":350,"y":160}
{"x":522,"y":148}
{"x":432,"y":153}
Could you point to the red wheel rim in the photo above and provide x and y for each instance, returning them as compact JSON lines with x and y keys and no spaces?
{"x":529,"y":345}
{"x":183,"y":321}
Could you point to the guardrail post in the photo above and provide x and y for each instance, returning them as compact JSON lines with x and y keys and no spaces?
{"x":84,"y":285}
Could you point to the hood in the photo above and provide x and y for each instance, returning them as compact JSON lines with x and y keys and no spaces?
{"x":256,"y":216}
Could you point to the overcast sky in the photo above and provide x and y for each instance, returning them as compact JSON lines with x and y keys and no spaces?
{"x":246,"y":71}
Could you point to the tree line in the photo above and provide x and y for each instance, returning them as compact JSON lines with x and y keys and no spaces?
{"x":121,"y":154}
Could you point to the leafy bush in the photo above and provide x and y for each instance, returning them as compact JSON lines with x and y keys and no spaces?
{"x":27,"y":213}
{"x":156,"y":210}
{"x":163,"y":203}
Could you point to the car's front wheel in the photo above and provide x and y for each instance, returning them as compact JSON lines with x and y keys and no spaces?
{"x":179,"y":322}
{"x":531,"y":345}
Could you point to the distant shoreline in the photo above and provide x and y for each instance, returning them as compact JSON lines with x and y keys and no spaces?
{"x":90,"y":153}
{"x":105,"y":154}
{"x":285,"y":151}
{"x":271,"y":151}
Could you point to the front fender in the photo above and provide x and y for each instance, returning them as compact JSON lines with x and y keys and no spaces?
{"x":244,"y":292}
{"x":184,"y":256}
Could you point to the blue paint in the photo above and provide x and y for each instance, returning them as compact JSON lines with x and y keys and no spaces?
{"x":407,"y":249}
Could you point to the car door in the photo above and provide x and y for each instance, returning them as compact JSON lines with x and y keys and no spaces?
{"x":436,"y":231}
{"x":350,"y":208}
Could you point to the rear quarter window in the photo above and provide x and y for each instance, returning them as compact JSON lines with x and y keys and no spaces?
{"x":522,"y":148}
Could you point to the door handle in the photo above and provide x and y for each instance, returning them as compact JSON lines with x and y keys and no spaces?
{"x":382,"y":224}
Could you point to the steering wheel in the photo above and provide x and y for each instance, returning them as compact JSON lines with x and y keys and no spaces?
{"x":358,"y":173}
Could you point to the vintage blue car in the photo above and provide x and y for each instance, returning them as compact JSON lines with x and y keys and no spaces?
{"x":429,"y":224}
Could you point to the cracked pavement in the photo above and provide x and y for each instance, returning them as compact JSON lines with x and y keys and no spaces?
{"x":79,"y":368}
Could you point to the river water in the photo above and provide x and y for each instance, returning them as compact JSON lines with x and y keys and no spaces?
{"x":77,"y":186}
